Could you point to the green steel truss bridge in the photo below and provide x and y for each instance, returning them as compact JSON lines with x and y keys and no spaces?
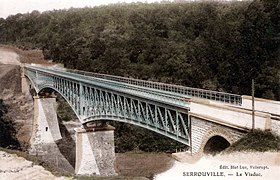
{"x":159,"y":107}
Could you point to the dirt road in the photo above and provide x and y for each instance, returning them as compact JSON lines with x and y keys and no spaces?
{"x":9,"y":57}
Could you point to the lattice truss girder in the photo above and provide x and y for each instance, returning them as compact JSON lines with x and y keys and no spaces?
{"x":92,"y":103}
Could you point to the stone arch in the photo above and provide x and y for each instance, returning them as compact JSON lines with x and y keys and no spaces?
{"x":215,"y":145}
{"x":216,"y":136}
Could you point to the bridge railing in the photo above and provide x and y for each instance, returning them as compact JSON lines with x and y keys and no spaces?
{"x":44,"y":76}
{"x":175,"y":89}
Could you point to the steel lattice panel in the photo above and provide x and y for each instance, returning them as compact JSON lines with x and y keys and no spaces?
{"x":94,"y":100}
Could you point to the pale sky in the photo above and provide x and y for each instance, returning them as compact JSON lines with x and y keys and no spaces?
{"x":12,"y":7}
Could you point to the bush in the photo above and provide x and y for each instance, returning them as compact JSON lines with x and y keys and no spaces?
{"x":257,"y":141}
{"x":7,"y":131}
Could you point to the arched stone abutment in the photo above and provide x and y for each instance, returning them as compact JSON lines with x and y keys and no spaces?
{"x":207,"y":135}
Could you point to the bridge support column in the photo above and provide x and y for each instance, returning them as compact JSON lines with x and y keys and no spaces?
{"x":45,"y":125}
{"x":95,"y":151}
{"x":24,"y":84}
{"x":46,"y":136}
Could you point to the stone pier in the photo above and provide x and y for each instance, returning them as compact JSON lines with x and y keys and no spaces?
{"x":46,"y":134}
{"x":45,"y":123}
{"x":24,"y":85}
{"x":95,"y":151}
{"x":24,"y":82}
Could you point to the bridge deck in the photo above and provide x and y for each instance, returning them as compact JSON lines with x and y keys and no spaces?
{"x":154,"y":94}
{"x":163,"y":108}
{"x":94,"y":98}
{"x":170,"y":89}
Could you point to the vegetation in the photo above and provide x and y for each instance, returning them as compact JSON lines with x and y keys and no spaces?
{"x":64,"y":111}
{"x":218,"y":46}
{"x":7,"y":131}
{"x":133,"y":138}
{"x":257,"y":141}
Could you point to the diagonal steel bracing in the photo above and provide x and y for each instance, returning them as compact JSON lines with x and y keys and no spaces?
{"x":95,"y":99}
{"x":171,"y":89}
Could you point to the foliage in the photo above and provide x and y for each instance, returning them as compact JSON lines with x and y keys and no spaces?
{"x":217,"y":46}
{"x":133,"y":138}
{"x":7,"y":131}
{"x":64,"y":111}
{"x":257,"y":141}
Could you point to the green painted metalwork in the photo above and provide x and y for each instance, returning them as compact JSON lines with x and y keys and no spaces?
{"x":94,"y":99}
{"x":174,"y":90}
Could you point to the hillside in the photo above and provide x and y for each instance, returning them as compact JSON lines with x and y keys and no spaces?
{"x":16,"y":108}
{"x":217,"y":46}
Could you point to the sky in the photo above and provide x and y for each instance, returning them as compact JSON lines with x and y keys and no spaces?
{"x":12,"y":7}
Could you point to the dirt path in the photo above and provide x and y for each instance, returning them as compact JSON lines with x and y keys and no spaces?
{"x":4,"y":69}
{"x":248,"y":165}
{"x":9,"y":57}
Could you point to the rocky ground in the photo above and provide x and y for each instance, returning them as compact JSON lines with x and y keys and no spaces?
{"x":14,"y":167}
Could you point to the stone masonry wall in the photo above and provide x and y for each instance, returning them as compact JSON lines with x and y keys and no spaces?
{"x":95,"y":152}
{"x":203,"y":130}
{"x":47,"y":141}
{"x":275,"y":127}
{"x":104,"y":151}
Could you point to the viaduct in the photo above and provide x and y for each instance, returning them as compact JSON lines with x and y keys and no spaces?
{"x":200,"y":119}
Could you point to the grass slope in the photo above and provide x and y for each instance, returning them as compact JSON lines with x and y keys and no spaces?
{"x":257,"y":141}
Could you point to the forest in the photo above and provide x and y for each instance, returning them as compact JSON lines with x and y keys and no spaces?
{"x":211,"y":45}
